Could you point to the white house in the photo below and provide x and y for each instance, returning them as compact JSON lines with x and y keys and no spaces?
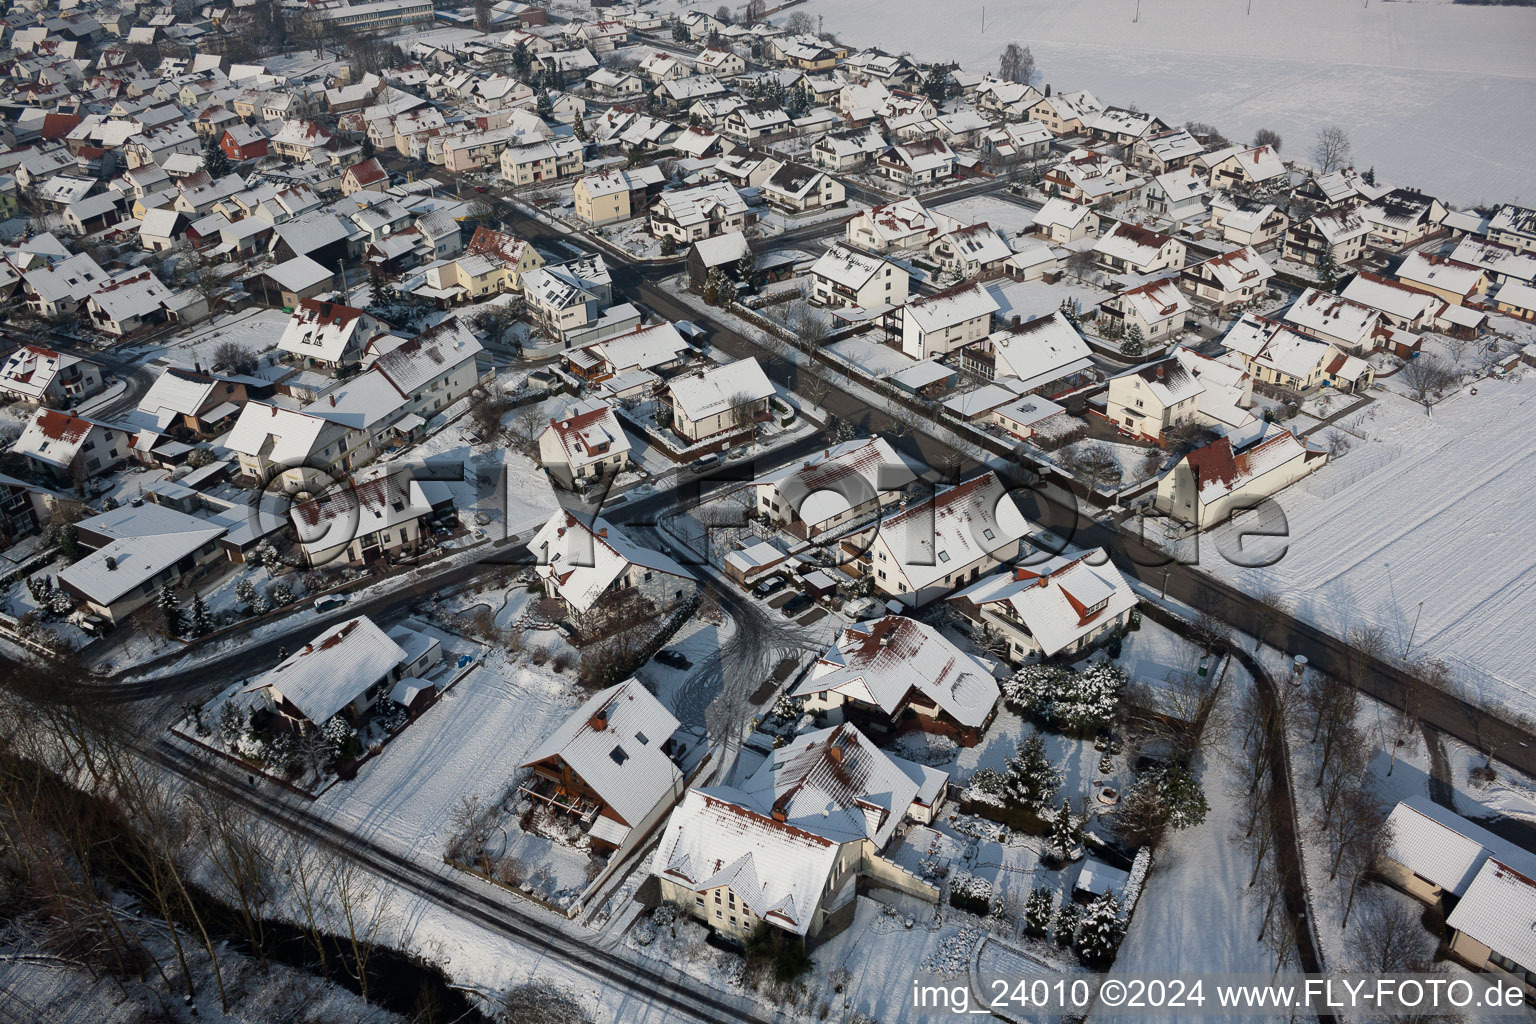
{"x":848,"y":277}
{"x":788,"y":847}
{"x":33,"y":373}
{"x":932,"y":546}
{"x":1045,"y":356}
{"x":134,"y":551}
{"x":582,"y":563}
{"x":720,"y":400}
{"x":836,"y":486}
{"x":1060,"y":605}
{"x":327,"y":334}
{"x":1131,"y":249}
{"x":373,"y":519}
{"x":702,"y":211}
{"x":1153,"y":399}
{"x":70,"y":448}
{"x":1063,"y":221}
{"x":938,"y":324}
{"x":1157,"y":308}
{"x":1212,"y":482}
{"x":900,"y":226}
{"x":1227,"y":280}
{"x":584,"y":442}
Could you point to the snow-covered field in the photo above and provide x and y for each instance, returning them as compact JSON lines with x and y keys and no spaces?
{"x":1008,"y":219}
{"x":1428,"y":510}
{"x":1427,"y":91}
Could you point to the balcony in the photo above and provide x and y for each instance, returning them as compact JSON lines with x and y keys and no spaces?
{"x":552,"y":793}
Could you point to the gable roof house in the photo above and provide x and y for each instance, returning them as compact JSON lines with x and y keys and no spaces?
{"x":938,"y":324}
{"x":848,"y":150}
{"x":1450,"y":279}
{"x":847,"y":277}
{"x":1045,"y":356}
{"x":796,"y":188}
{"x":1062,"y":604}
{"x":1239,"y":168}
{"x":1514,"y":227}
{"x":616,"y":194}
{"x":328,"y":334}
{"x":1131,"y":249}
{"x":375,"y":519}
{"x":1088,"y":176}
{"x":1063,"y":220}
{"x":1402,"y":217}
{"x":493,"y":262}
{"x":702,"y":211}
{"x":652,"y":348}
{"x":1164,"y":151}
{"x":923,"y":551}
{"x":788,"y":847}
{"x":1248,"y":222}
{"x":840,"y":484}
{"x":1341,"y":233}
{"x":134,"y":300}
{"x":1226,"y":280}
{"x":722,"y":400}
{"x":1402,"y":305}
{"x":976,"y":252}
{"x":569,"y":299}
{"x":1352,"y":327}
{"x":1150,"y":400}
{"x":1158,"y":308}
{"x":609,"y":766}
{"x":344,"y":671}
{"x":591,"y":565}
{"x":918,"y":163}
{"x":33,"y":373}
{"x":1178,"y":195}
{"x":1275,"y":354}
{"x":1215,"y":481}
{"x":895,"y":673}
{"x":185,"y":402}
{"x":68,"y":449}
{"x":903,"y":225}
{"x":583,"y":443}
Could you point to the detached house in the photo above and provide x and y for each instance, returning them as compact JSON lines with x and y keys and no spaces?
{"x":723,"y":400}
{"x":790,"y":847}
{"x":1158,"y":308}
{"x":609,"y":766}
{"x":927,"y":549}
{"x":935,"y":325}
{"x":1043,"y":356}
{"x":1238,"y":168}
{"x":1227,"y":280}
{"x":895,"y":673}
{"x":1211,"y":483}
{"x":492,"y":263}
{"x":583,"y":443}
{"x":901,"y":226}
{"x":795,"y":188}
{"x":971,"y":253}
{"x":1153,"y":399}
{"x":1247,"y":222}
{"x":703,"y":211}
{"x":1058,"y":606}
{"x":588,"y":564}
{"x":848,"y":277}
{"x":380,"y":518}
{"x":69,"y":448}
{"x":918,"y":163}
{"x":328,"y":334}
{"x":33,"y":373}
{"x":616,"y":195}
{"x":1063,"y":221}
{"x":1274,"y":354}
{"x":1402,"y":217}
{"x":135,"y":550}
{"x":1341,"y":234}
{"x":1130,"y":249}
{"x":1514,"y":227}
{"x":840,"y":484}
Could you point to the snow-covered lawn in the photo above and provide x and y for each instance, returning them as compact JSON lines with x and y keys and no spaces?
{"x":1423,"y":89}
{"x":1008,"y":219}
{"x":1030,"y":299}
{"x":873,"y":358}
{"x":1422,"y":512}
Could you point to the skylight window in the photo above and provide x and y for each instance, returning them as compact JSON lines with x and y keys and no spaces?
{"x":987,"y":533}
{"x":943,"y":556}
{"x":618,"y":754}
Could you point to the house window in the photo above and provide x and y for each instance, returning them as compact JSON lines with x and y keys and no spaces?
{"x":944,"y":556}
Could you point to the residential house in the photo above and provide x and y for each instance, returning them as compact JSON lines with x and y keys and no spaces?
{"x":1239,"y":169}
{"x":840,"y":484}
{"x":895,"y":673}
{"x":1402,"y":305}
{"x":1402,"y":217}
{"x":47,"y":377}
{"x":1276,"y":355}
{"x":1449,"y":280}
{"x":1151,"y":400}
{"x":492,"y":263}
{"x":1517,"y":299}
{"x":1212,"y":482}
{"x":1158,"y":309}
{"x":583,"y":443}
{"x":848,"y":277}
{"x":788,"y":848}
{"x":1350,"y":326}
{"x":1231,"y":279}
{"x":71,"y":449}
{"x":795,"y":188}
{"x":1063,"y":221}
{"x":569,"y":300}
{"x":1088,"y":176}
{"x":937,"y":324}
{"x":133,"y":552}
{"x":609,"y":766}
{"x":849,"y":150}
{"x":1020,"y":141}
{"x":365,"y":174}
{"x":925,"y":550}
{"x":346,"y":670}
{"x":1131,"y":249}
{"x":971,"y":253}
{"x":135,"y":300}
{"x":328,"y":334}
{"x":722,"y":400}
{"x":901,"y":226}
{"x":539,"y":161}
{"x":702,"y":211}
{"x":187,"y":402}
{"x":1044,"y":356}
{"x":652,"y":349}
{"x":725,"y":256}
{"x":591,"y":565}
{"x":1180,"y":195}
{"x":918,"y":163}
{"x":1158,"y":153}
{"x":1248,"y":222}
{"x":1340,"y":233}
{"x":1057,"y":607}
{"x":614,"y":195}
{"x":1514,"y":227}
{"x":379,"y":519}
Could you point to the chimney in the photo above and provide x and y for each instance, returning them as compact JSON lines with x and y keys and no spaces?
{"x":333,"y":397}
{"x":599,"y":721}
{"x":197,"y":365}
{"x":111,"y":564}
{"x":1015,"y":319}
{"x":1160,"y":373}
{"x":835,"y":753}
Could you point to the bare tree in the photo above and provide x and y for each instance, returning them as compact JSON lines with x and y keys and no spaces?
{"x":486,"y":412}
{"x":525,"y":429}
{"x":1095,"y":464}
{"x":229,"y":837}
{"x":364,"y":910}
{"x":724,"y":16}
{"x":753,"y":12}
{"x":1388,"y":937}
{"x":1268,"y":610}
{"x":799,"y":23}
{"x":1361,"y":835}
{"x":1427,"y":376}
{"x":1331,"y":150}
{"x":1267,"y":137}
{"x":234,"y":358}
{"x":307,"y":871}
{"x":541,"y":1002}
{"x":1017,"y":64}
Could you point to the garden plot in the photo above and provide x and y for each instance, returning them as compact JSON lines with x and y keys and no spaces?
{"x":1421,"y":511}
{"x":1009,"y":219}
{"x":256,"y":330}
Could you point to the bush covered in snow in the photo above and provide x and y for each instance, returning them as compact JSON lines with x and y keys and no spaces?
{"x":1099,"y":934}
{"x":953,"y":957}
{"x":1066,"y":700}
{"x":971,"y":894}
{"x":1160,"y":799}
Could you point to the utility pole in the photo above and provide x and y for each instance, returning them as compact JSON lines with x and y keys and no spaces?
{"x":1409,"y":645}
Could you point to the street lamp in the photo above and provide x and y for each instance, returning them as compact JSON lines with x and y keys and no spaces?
{"x":1166,"y":574}
{"x":1408,"y":646}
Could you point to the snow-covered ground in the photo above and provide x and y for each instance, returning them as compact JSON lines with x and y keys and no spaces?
{"x":1427,"y":510}
{"x":1008,"y":219}
{"x":1030,"y":299}
{"x":873,"y":358}
{"x":1425,"y":90}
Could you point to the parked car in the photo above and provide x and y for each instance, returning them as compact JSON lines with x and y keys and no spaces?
{"x":704,"y":462}
{"x":330,"y":602}
{"x":676,"y":659}
{"x":770,"y":586}
{"x":795,"y":605}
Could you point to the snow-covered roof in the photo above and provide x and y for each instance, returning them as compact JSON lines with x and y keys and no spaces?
{"x":146,"y":539}
{"x":723,"y":249}
{"x":1240,"y":268}
{"x":286,"y":437}
{"x":848,"y":267}
{"x":326,"y":331}
{"x":582,"y":561}
{"x":1318,"y":312}
{"x":775,"y":840}
{"x":1441,"y":846}
{"x":1517,"y":294}
{"x":1495,"y":259}
{"x":691,"y":206}
{"x":720,"y":388}
{"x":1154,"y":301}
{"x":1499,"y":910}
{"x":1132,"y":243}
{"x":951,"y":307}
{"x":1391,"y":297}
{"x":414,"y":364}
{"x":1039,"y":351}
{"x":333,"y":670}
{"x":644,"y":348}
{"x":613,"y":742}
{"x":335,"y":518}
{"x":880,"y":662}
{"x":55,"y":437}
{"x":1063,"y":212}
{"x":29,"y":370}
{"x":587,"y":432}
{"x":1060,"y":599}
{"x":984,"y":399}
{"x":840,"y":477}
{"x":1219,"y":471}
{"x":955,"y":527}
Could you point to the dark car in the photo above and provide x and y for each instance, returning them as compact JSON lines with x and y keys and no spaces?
{"x":770,"y":586}
{"x":481,"y":188}
{"x":676,"y":659}
{"x":795,"y":605}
